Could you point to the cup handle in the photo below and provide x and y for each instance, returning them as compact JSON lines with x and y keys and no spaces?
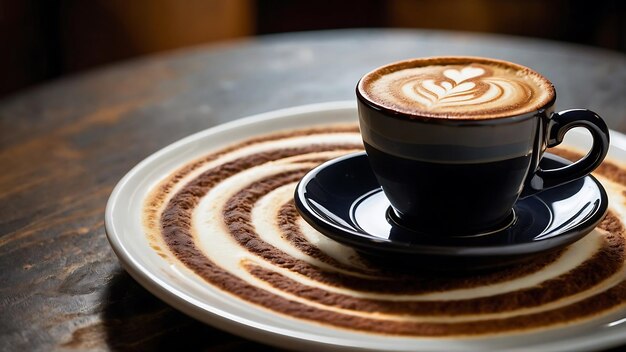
{"x":560,"y":123}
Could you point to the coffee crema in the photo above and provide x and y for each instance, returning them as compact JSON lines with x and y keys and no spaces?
{"x":457,"y":88}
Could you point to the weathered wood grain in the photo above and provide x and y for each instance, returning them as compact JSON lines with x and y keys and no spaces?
{"x":63,"y":146}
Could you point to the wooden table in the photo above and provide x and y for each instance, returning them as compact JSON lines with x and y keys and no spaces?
{"x":64,"y":145}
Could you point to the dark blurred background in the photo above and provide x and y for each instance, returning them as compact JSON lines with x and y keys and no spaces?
{"x":45,"y":39}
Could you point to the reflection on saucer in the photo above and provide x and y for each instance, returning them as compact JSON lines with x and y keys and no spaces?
{"x":343,"y":200}
{"x":230,"y":218}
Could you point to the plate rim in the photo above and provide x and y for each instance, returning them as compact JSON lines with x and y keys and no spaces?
{"x":277,"y":336}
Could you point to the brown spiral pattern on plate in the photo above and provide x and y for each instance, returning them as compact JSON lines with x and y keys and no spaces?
{"x":229,"y":218}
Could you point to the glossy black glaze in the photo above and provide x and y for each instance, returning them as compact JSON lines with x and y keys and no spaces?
{"x":431,"y":166}
{"x":559,"y":124}
{"x":425,"y":194}
{"x":343,"y":200}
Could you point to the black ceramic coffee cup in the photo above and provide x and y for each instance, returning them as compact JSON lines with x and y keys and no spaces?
{"x":462,"y":176}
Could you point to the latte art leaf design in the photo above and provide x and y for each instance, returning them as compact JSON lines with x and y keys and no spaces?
{"x":456,"y":88}
{"x":467,"y":86}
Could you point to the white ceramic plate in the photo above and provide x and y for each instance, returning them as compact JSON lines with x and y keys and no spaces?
{"x":187,"y":293}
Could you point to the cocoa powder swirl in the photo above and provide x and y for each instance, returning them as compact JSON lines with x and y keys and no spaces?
{"x":457,"y":88}
{"x":229,"y":217}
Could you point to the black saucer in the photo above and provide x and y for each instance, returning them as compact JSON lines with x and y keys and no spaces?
{"x":343,"y":200}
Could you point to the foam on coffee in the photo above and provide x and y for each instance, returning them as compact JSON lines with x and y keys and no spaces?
{"x":457,"y":88}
